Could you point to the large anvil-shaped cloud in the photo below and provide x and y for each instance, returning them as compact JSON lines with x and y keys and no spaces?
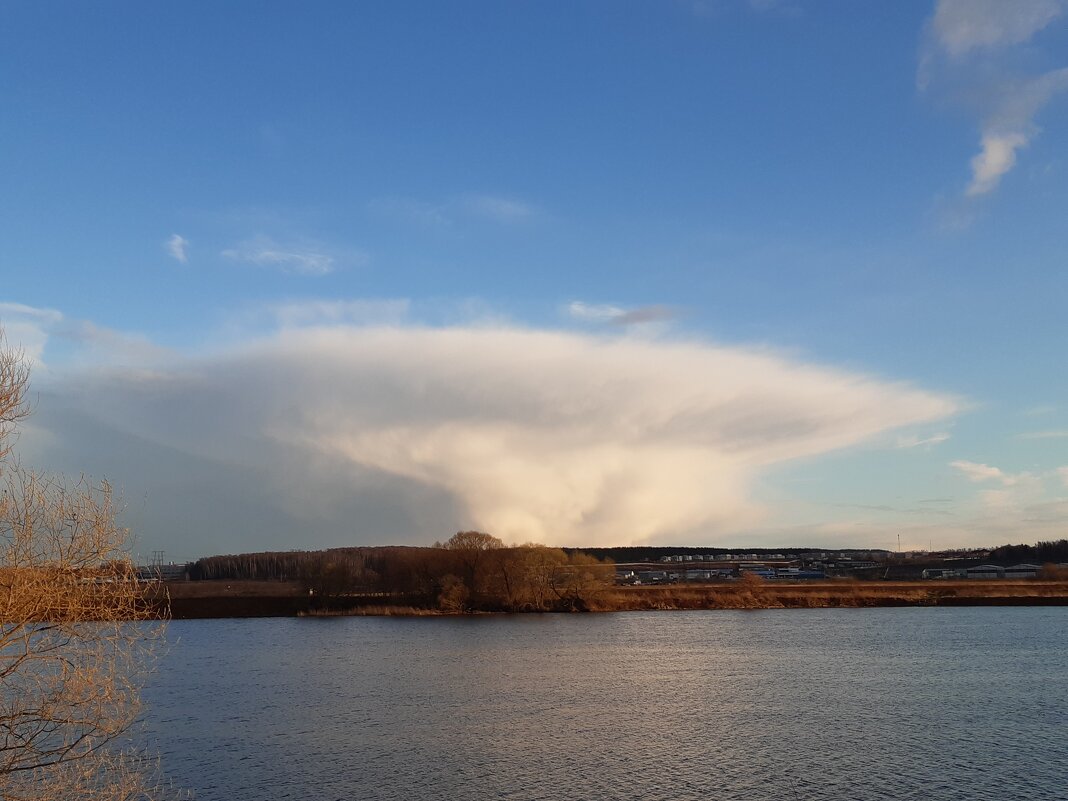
{"x":543,"y":435}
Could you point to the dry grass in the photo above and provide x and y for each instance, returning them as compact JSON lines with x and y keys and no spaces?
{"x":377,"y":611}
{"x":844,"y":593}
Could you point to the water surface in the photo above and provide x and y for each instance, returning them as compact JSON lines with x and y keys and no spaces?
{"x":861,"y":704}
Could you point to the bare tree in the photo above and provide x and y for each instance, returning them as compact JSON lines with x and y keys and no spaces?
{"x":580,"y":580}
{"x":76,"y":632}
{"x":526,"y":576}
{"x":471,"y":548}
{"x":14,"y":377}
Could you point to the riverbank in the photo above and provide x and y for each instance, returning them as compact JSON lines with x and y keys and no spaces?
{"x":234,"y":599}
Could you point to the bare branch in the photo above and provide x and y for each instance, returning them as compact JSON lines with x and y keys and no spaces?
{"x":77,"y":630}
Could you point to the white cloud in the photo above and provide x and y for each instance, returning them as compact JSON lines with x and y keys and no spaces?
{"x":177,"y":246}
{"x":996,"y":157}
{"x":531,"y":434}
{"x":1011,"y":128}
{"x":265,"y":252}
{"x":966,"y":47}
{"x":1024,"y":500}
{"x":594,"y":313}
{"x":962,"y":26}
{"x":977,"y":472}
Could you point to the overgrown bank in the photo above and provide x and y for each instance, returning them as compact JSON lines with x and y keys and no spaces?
{"x":470,"y":572}
{"x":474,"y":573}
{"x":272,"y":599}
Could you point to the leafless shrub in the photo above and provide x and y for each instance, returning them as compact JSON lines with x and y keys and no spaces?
{"x":76,"y":632}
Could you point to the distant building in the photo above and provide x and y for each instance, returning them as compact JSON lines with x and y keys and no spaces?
{"x":763,"y":572}
{"x":1022,"y":571}
{"x":163,"y":572}
{"x":943,"y":573}
{"x":985,"y":572}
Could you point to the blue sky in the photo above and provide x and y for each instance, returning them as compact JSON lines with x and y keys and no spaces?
{"x":718,"y":272}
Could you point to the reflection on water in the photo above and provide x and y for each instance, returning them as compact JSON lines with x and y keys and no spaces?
{"x":807,"y":704}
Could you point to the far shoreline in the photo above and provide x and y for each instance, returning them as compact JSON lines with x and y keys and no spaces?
{"x":217,"y":599}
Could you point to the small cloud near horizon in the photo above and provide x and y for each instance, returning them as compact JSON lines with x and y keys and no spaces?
{"x":978,"y":473}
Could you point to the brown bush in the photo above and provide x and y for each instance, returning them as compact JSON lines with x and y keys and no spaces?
{"x":75,"y":634}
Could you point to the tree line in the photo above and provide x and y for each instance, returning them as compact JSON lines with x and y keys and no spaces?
{"x":472,"y":571}
{"x":1046,"y":551}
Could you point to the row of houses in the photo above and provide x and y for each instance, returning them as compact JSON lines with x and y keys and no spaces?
{"x":163,"y":572}
{"x":718,"y":574}
{"x":724,"y":557}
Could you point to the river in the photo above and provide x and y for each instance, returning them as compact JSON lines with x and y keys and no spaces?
{"x":859,"y":704}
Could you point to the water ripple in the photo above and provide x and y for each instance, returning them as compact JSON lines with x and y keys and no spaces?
{"x":812,"y":705}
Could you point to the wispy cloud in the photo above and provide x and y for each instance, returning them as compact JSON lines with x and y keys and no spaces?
{"x":920,"y":511}
{"x":333,"y":312}
{"x":962,"y":26}
{"x":616,"y":315}
{"x":593,"y":312}
{"x":419,"y":212}
{"x":21,"y":310}
{"x":177,"y":247}
{"x":297,"y":260}
{"x":1010,"y":127}
{"x":446,"y":214}
{"x":1053,"y":434}
{"x":497,"y":208}
{"x":965,"y":45}
{"x":916,"y":441}
{"x":1040,"y":411}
